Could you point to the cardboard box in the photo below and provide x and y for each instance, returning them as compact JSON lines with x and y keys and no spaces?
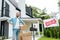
{"x":26,"y":36}
{"x":24,"y":27}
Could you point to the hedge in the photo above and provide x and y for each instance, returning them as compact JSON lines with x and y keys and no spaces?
{"x":53,"y":32}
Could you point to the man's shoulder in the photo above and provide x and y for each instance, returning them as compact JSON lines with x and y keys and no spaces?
{"x":20,"y":18}
{"x":13,"y":18}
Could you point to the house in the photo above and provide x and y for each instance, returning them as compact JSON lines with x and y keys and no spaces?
{"x":9,"y":9}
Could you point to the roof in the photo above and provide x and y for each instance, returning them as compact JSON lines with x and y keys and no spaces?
{"x":3,"y":18}
{"x":14,"y":3}
{"x":24,"y":19}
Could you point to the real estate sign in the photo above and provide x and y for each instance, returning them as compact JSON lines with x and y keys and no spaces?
{"x":51,"y":22}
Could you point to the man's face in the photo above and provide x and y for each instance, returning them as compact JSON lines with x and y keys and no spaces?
{"x":17,"y":14}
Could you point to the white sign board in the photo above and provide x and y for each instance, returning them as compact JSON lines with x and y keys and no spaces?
{"x":51,"y":22}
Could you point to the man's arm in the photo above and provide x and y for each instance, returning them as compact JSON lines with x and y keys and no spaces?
{"x":22,"y":21}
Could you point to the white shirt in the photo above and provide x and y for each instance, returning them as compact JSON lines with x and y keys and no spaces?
{"x":17,"y":26}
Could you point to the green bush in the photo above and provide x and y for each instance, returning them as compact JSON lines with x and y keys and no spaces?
{"x":53,"y":31}
{"x":45,"y":32}
{"x":50,"y":34}
{"x":57,"y":34}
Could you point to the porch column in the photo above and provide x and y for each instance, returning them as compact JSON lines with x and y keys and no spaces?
{"x":38,"y":28}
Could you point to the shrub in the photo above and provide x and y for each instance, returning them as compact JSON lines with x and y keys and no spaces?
{"x":53,"y":31}
{"x":57,"y":34}
{"x":50,"y":33}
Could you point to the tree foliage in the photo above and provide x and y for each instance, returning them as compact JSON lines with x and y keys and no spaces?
{"x":38,"y":13}
{"x":59,"y":3}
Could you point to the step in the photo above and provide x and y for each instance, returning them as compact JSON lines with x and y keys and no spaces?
{"x":7,"y":39}
{"x":0,"y":38}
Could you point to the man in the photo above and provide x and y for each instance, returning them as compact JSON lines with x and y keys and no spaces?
{"x":16,"y":22}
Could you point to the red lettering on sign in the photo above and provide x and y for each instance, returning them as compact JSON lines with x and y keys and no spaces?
{"x":50,"y":22}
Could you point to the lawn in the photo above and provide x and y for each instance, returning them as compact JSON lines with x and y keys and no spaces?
{"x":46,"y":38}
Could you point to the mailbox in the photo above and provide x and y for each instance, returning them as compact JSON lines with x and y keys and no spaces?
{"x":33,"y":29}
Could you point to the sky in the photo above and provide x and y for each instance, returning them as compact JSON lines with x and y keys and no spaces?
{"x":50,"y":5}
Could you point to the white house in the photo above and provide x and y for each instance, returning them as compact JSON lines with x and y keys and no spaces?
{"x":20,"y":4}
{"x":12,"y":12}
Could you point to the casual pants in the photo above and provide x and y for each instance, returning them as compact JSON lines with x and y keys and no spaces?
{"x":16,"y":34}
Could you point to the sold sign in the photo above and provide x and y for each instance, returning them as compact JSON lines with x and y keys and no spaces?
{"x":51,"y":22}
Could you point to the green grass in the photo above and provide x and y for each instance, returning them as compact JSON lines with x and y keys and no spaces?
{"x":46,"y":38}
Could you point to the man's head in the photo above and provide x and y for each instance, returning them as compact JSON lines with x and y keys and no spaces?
{"x":17,"y":14}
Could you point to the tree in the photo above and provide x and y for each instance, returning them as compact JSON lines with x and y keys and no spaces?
{"x":59,"y":3}
{"x":38,"y":13}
